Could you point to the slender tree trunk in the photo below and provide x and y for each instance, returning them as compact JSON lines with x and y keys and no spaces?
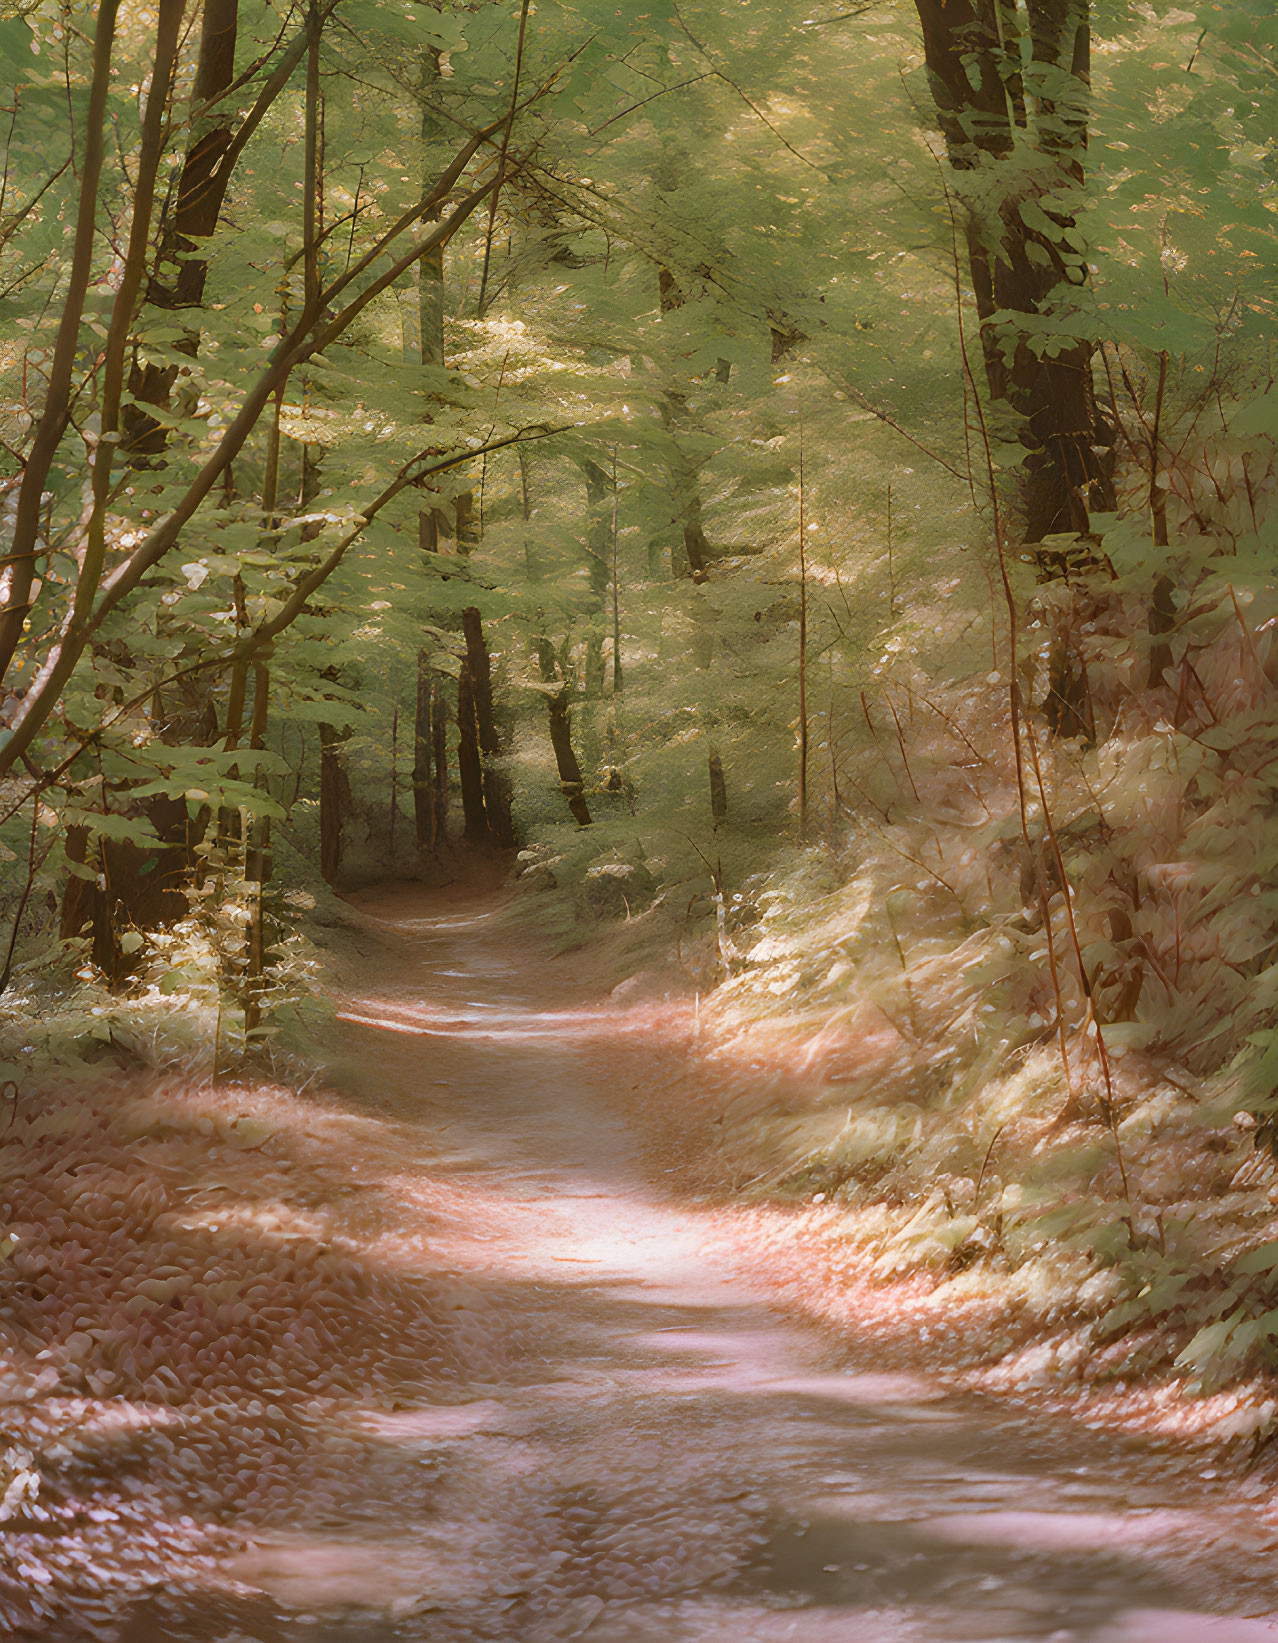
{"x":431,"y":307}
{"x":570,"y":778}
{"x":469,"y":767}
{"x":433,"y":522}
{"x":19,"y":564}
{"x":497,"y":794}
{"x":718,"y":788}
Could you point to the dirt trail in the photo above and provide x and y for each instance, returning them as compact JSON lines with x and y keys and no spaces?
{"x":638,"y":1449}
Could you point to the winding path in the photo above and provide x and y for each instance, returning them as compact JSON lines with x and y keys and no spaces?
{"x":658,"y":1456}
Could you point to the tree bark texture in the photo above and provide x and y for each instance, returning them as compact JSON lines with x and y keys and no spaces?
{"x":497,"y":793}
{"x":570,"y":777}
{"x":469,"y":767}
{"x":182,"y":272}
{"x":1018,"y":130}
{"x":481,"y":678}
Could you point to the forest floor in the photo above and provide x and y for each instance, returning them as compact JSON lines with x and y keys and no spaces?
{"x":481,"y":1372}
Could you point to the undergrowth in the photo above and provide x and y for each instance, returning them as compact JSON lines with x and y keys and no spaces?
{"x":181,"y":1008}
{"x":1019,"y":989}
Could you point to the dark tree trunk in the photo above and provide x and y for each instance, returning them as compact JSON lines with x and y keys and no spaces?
{"x":1068,"y":705}
{"x":497,"y":794}
{"x":431,"y":307}
{"x":718,"y":788}
{"x":469,"y":768}
{"x":134,"y":887}
{"x":481,"y":679}
{"x":1162,"y":619}
{"x":1024,"y":253}
{"x":497,"y":807}
{"x":570,"y":778}
{"x":179,"y":282}
{"x":85,"y":910}
{"x":145,"y":887}
{"x":467,"y":523}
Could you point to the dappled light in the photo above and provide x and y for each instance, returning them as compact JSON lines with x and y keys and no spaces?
{"x":638,"y":761}
{"x":431,"y":1356}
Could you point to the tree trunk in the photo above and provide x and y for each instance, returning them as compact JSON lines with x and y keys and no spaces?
{"x":1024,"y":253}
{"x":467,"y":523}
{"x":497,"y":807}
{"x":1162,"y":619}
{"x":431,"y":306}
{"x":180,"y":278}
{"x":481,"y":679}
{"x":1068,"y":705}
{"x":144,"y":887}
{"x":469,"y":768}
{"x":570,"y":778}
{"x":718,"y":787}
{"x":497,"y":794}
{"x":614,"y":577}
{"x":85,"y":908}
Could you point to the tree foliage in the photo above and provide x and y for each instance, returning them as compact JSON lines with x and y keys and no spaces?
{"x":426,"y":421}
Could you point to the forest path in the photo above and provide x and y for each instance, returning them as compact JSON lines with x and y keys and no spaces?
{"x":660,"y":1456}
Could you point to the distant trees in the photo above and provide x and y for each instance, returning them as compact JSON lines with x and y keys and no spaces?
{"x":267,"y":478}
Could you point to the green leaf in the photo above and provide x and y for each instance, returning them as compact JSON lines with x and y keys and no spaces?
{"x":111,"y":825}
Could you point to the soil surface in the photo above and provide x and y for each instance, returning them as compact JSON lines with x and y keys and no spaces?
{"x":630,"y":1443}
